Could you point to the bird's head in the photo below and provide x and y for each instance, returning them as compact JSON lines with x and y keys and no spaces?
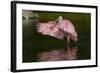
{"x":60,"y":18}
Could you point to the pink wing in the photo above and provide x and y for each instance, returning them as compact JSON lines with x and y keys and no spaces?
{"x":50,"y":29}
{"x":43,"y":28}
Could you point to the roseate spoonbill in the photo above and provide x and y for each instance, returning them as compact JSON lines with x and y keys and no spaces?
{"x":59,"y":29}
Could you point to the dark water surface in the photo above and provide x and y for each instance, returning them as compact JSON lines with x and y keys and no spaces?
{"x":37,"y":47}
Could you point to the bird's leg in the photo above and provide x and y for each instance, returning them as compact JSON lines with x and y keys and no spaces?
{"x":68,"y":39}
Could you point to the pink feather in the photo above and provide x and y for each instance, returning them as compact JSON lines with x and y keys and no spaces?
{"x":51,"y":29}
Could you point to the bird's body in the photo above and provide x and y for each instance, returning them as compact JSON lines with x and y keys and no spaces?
{"x":68,"y":28}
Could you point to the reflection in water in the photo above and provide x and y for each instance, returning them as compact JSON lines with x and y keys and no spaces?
{"x":57,"y":55}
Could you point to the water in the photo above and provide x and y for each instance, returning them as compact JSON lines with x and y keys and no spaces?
{"x":58,"y":55}
{"x":37,"y":47}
